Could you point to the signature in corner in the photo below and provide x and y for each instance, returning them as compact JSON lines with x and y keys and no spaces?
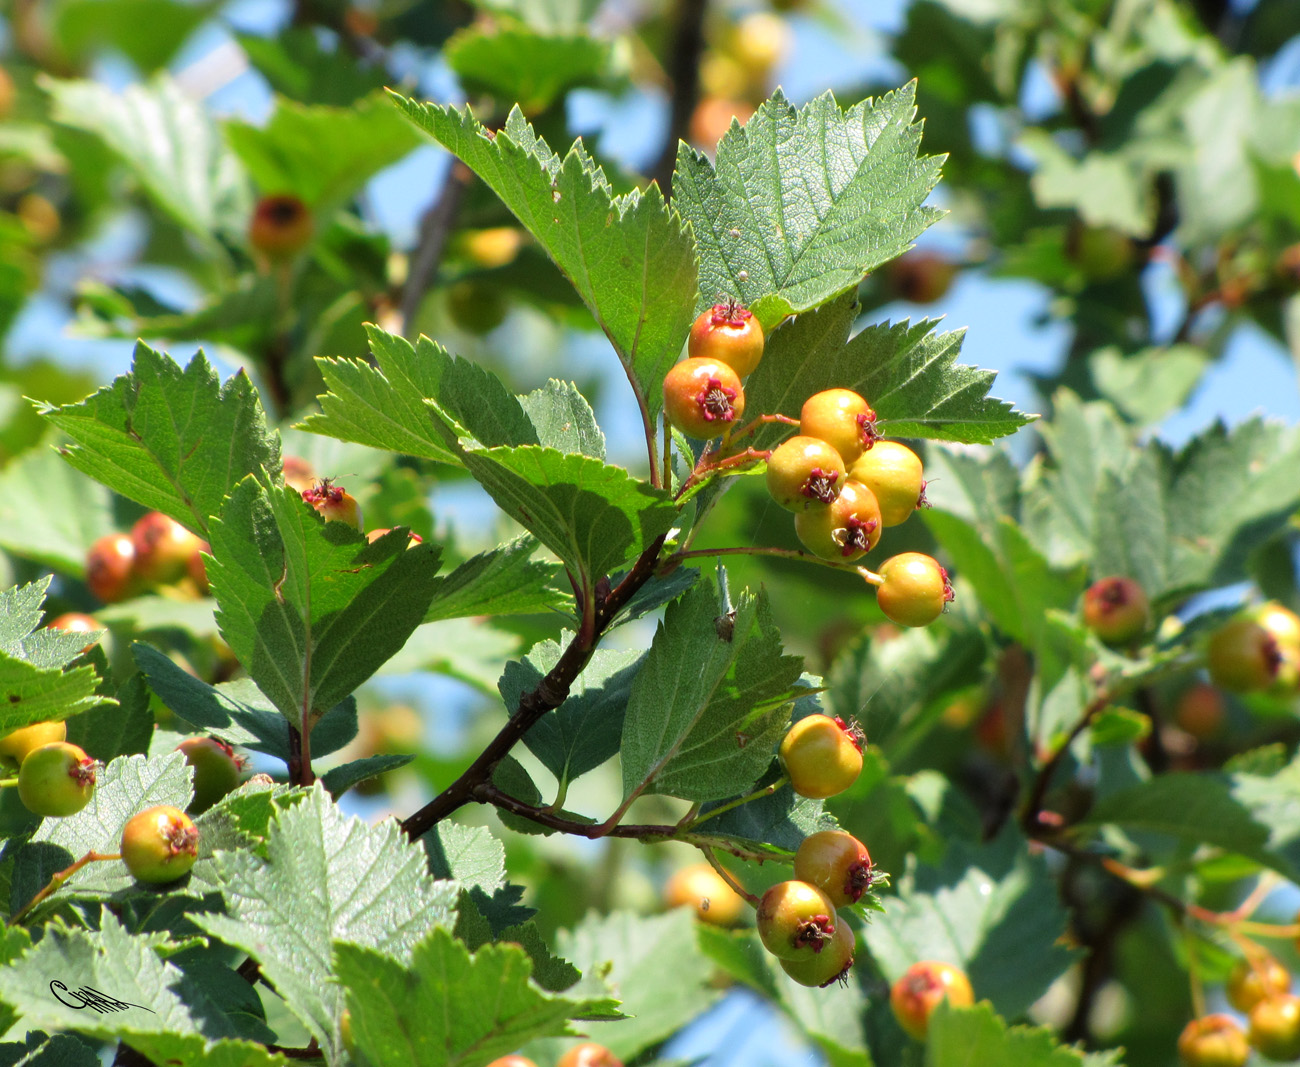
{"x":89,"y":997}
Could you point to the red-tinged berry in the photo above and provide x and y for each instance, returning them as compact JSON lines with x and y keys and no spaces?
{"x":76,"y":622}
{"x":298,"y":473}
{"x":1256,"y":979}
{"x":216,"y":770}
{"x":1275,"y":1027}
{"x":796,"y":921}
{"x":835,"y":862}
{"x":915,"y":996}
{"x":589,"y":1054}
{"x":334,"y":502}
{"x":1243,"y":656}
{"x":16,"y":746}
{"x":700,"y":887}
{"x":915,"y":589}
{"x":844,"y":531}
{"x":730,"y":333}
{"x":374,"y":535}
{"x":1200,"y":710}
{"x":1116,"y":609}
{"x":822,"y":756}
{"x":921,"y":277}
{"x":703,"y":397}
{"x":56,"y":780}
{"x":894,"y":473}
{"x":804,"y":472}
{"x":198,"y":569}
{"x":513,"y":1060}
{"x":841,"y":418}
{"x":163,"y":548}
{"x":831,"y":964}
{"x":110,"y":568}
{"x":281,"y":226}
{"x":160,"y":844}
{"x":1213,"y":1041}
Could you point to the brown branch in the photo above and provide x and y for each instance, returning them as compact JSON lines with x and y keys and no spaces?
{"x":684,"y":72}
{"x":548,"y":695}
{"x":435,"y":228}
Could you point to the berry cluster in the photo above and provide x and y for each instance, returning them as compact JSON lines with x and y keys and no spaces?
{"x":844,"y":483}
{"x":586,"y":1054}
{"x":1260,"y":988}
{"x":158,"y":552}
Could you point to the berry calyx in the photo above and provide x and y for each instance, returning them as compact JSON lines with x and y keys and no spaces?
{"x":841,"y":418}
{"x":728,"y":332}
{"x":821,"y":756}
{"x":915,"y":589}
{"x":1213,"y":1041}
{"x":830,"y":965}
{"x":163,"y":548}
{"x":281,"y":226}
{"x":159,"y":844}
{"x":796,"y":921}
{"x":1243,"y":656}
{"x":915,"y":996}
{"x":1275,"y":1027}
{"x":334,"y":502}
{"x":894,"y":473}
{"x":589,"y":1054}
{"x":1256,"y":979}
{"x":835,"y":862}
{"x":804,"y":472}
{"x":110,"y":568}
{"x":216,"y":770}
{"x":1116,"y":609}
{"x":700,"y":887}
{"x":847,"y":529}
{"x":703,"y":397}
{"x":56,"y":780}
{"x":18,"y":744}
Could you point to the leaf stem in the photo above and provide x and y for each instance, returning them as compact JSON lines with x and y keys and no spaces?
{"x":757,"y":794}
{"x":725,"y":875}
{"x":6,"y":782}
{"x":57,"y":880}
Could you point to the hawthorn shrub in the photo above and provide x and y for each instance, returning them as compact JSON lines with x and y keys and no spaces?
{"x":752,"y":648}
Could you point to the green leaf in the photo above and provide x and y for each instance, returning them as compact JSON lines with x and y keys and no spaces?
{"x":469,"y":855}
{"x":323,"y":155}
{"x":584,"y":731}
{"x":958,"y":1037}
{"x":50,"y":513}
{"x":563,"y":419}
{"x":628,"y":257}
{"x":309,"y":607}
{"x":172,"y":439}
{"x":369,"y":888}
{"x":652,"y":964}
{"x":449,"y":1008}
{"x":544,"y":16}
{"x":801,"y":205}
{"x":991,"y":910}
{"x":531,"y":69}
{"x":908,"y":373}
{"x":706,"y":711}
{"x":169,"y":1017}
{"x":296,"y":64}
{"x":121,"y":729}
{"x":339,"y":780}
{"x":172,"y":146}
{"x":148,"y":32}
{"x":1151,"y":384}
{"x":592,"y":515}
{"x":505,"y":580}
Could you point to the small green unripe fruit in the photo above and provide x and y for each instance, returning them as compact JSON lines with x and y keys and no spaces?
{"x":804,"y":472}
{"x":160,"y":844}
{"x":703,"y":397}
{"x":1213,"y":1041}
{"x":1243,"y":656}
{"x":835,"y":862}
{"x":1254,"y":980}
{"x":894,"y":473}
{"x":1116,"y":610}
{"x":915,"y":589}
{"x":1275,"y":1027}
{"x":476,"y":306}
{"x":730,"y":333}
{"x":796,"y":921}
{"x":915,"y":996}
{"x":829,"y":965}
{"x":16,"y":746}
{"x":821,"y":756}
{"x":56,"y":780}
{"x":216,"y":770}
